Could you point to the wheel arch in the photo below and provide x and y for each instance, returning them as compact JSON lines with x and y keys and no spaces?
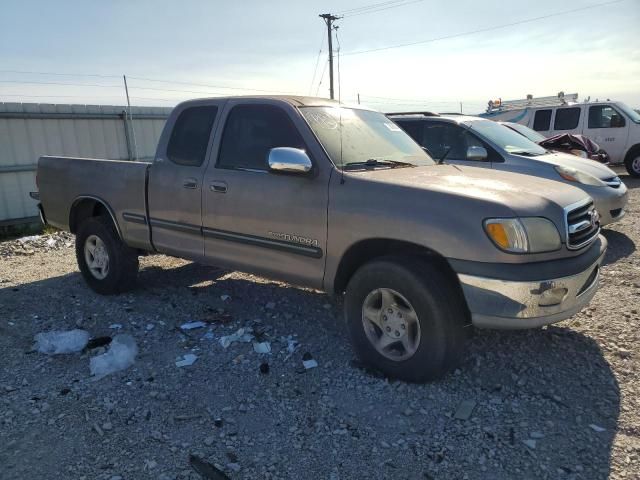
{"x":632,"y":150}
{"x":87,"y":206}
{"x":364,"y":251}
{"x":630,"y":156}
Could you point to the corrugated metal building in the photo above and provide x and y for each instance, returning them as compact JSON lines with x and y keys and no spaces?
{"x":29,"y":130}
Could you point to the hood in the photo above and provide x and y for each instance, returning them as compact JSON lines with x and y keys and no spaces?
{"x":523,"y":194}
{"x":591,"y":167}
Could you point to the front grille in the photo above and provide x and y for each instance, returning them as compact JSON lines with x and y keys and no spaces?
{"x":614,"y":182}
{"x":583,"y":226}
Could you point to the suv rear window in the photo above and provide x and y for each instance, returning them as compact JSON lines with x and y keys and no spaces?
{"x":190,"y":136}
{"x":542,"y":120}
{"x":566,"y":118}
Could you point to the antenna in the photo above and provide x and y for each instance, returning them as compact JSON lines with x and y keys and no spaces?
{"x":133,"y":130}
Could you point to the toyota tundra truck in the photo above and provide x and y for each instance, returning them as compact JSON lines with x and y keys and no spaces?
{"x":337,"y":198}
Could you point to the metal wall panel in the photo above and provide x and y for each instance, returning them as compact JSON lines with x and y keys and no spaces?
{"x":29,"y":130}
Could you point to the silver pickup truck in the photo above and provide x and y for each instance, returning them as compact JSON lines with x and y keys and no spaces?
{"x":338,"y":199}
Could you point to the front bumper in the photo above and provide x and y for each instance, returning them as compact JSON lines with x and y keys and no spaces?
{"x":511,"y":304}
{"x":610,"y":202}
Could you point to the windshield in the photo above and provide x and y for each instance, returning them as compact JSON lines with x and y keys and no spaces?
{"x":352,"y":136}
{"x":629,"y":112}
{"x":505,"y":138}
{"x":526,"y":131}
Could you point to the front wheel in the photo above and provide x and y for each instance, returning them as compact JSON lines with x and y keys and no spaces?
{"x":405,"y":318}
{"x":107,"y":264}
{"x":633,"y":164}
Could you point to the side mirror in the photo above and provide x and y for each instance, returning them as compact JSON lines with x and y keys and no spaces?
{"x":289,"y":160}
{"x":477,"y":154}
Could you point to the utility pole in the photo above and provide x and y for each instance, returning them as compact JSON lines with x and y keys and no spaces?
{"x":329,"y":19}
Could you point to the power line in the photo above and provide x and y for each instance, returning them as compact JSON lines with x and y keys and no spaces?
{"x":382,"y":8}
{"x":368,"y":7}
{"x":176,"y":82}
{"x":487,"y":29}
{"x":324,"y":69}
{"x":204,"y":85}
{"x":60,"y":74}
{"x":69,"y":84}
{"x":60,"y":83}
{"x":315,"y":70}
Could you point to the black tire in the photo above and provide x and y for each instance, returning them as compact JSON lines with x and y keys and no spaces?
{"x":441,"y":312}
{"x":123,"y":260}
{"x":632,"y":162}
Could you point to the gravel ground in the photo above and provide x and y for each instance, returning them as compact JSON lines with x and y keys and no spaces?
{"x":557,"y":402}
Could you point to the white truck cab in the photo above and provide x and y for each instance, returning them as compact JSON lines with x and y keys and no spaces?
{"x":614,"y":126}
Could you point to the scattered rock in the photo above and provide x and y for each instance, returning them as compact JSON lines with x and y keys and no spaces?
{"x":188,"y":359}
{"x":464,"y":410}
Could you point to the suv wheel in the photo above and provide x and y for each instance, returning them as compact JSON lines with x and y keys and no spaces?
{"x":107,"y":264}
{"x":405,"y":318}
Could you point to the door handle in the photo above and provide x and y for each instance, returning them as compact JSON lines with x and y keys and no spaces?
{"x":218,"y":187}
{"x":190,"y":183}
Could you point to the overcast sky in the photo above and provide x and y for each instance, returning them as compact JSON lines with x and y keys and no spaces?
{"x":273,"y":45}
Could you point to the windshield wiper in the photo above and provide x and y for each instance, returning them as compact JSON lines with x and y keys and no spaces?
{"x":444,"y":155}
{"x":525,"y":153}
{"x":373,"y":162}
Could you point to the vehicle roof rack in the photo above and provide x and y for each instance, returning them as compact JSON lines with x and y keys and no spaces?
{"x":426,"y":114}
{"x":552,"y":101}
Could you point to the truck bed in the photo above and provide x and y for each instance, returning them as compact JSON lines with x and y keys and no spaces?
{"x":120,"y":185}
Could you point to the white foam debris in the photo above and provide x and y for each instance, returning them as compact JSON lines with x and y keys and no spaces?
{"x":61,"y":342}
{"x":120,"y":356}
{"x":244,"y":335}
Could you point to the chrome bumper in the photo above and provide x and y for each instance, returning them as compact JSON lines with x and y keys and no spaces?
{"x":503,"y":304}
{"x":610,"y":203}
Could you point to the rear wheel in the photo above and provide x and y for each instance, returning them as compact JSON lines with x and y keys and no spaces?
{"x":632,"y":163}
{"x":405,"y":318}
{"x":107,"y":264}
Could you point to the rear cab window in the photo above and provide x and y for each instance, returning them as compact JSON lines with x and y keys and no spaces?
{"x":567,"y":118}
{"x":190,"y":135}
{"x":251,"y":131}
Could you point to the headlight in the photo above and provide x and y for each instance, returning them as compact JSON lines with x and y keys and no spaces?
{"x":523,"y":235}
{"x":579,"y":153}
{"x":573,"y":175}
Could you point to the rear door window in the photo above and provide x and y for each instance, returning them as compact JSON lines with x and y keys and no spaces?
{"x":190,"y":135}
{"x":567,"y":118}
{"x":605,"y":116}
{"x":251,"y":132}
{"x":542,"y":120}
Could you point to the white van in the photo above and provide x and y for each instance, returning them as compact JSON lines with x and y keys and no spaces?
{"x":612,"y":125}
